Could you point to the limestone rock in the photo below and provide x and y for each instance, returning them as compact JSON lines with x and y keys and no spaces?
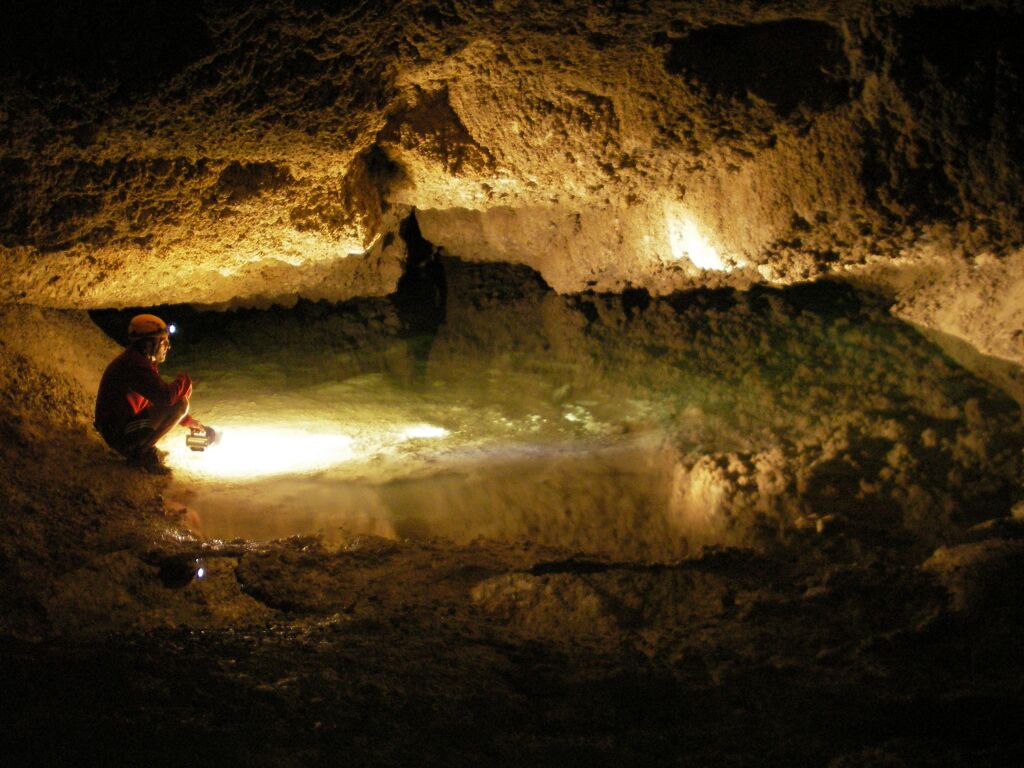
{"x":216,"y":153}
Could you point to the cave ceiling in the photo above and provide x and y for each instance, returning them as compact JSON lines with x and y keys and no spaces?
{"x":217,"y":152}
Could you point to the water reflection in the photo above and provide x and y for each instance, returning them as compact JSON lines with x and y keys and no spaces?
{"x":605,"y":423}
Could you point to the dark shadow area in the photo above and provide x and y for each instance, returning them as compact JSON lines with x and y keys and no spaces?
{"x":973,"y":48}
{"x":135,"y":43}
{"x":961,"y":70}
{"x":789,"y":63}
{"x":421,"y":296}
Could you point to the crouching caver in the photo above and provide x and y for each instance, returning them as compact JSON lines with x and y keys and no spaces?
{"x":135,"y":407}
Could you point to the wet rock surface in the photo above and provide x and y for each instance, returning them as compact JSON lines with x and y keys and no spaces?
{"x":453,"y":656}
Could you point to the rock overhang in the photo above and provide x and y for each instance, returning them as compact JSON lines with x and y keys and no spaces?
{"x":247,"y":154}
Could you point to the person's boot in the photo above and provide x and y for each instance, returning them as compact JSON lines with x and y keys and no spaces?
{"x":151,"y":460}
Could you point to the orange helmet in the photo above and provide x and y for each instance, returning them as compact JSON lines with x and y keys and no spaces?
{"x":145,"y":326}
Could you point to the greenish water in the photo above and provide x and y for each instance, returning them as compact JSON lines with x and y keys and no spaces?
{"x":591,"y":421}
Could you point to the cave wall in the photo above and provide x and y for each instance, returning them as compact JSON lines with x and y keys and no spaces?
{"x":218,"y":152}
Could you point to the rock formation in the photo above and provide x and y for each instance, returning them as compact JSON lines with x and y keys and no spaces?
{"x":217,"y":152}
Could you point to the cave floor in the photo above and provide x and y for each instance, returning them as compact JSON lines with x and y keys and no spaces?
{"x":396,"y":654}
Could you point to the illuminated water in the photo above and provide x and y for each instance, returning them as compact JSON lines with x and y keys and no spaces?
{"x":368,"y":455}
